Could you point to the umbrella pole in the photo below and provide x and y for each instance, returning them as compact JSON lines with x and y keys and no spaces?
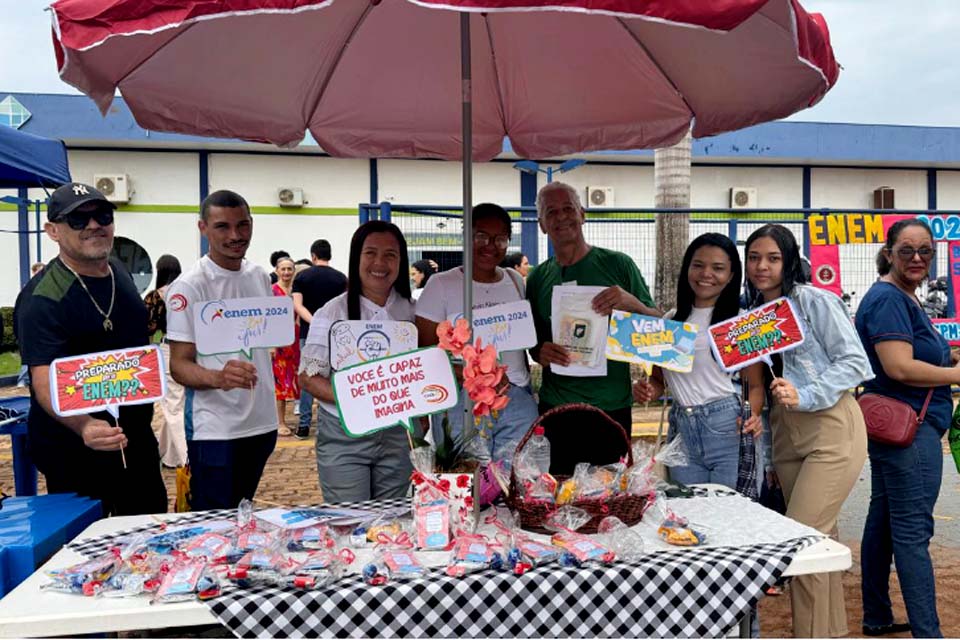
{"x":467,"y":163}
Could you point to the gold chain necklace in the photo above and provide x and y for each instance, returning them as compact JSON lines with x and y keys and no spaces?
{"x":107,"y":323}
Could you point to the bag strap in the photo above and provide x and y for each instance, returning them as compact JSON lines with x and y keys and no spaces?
{"x":926,"y":403}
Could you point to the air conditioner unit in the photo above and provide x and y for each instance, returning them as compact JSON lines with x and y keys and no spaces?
{"x":743,"y":198}
{"x":115,"y":187}
{"x":290,"y":197}
{"x":600,"y":197}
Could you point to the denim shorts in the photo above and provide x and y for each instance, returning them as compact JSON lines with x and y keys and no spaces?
{"x":711,"y":437}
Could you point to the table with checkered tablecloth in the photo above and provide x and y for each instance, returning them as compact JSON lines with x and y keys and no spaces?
{"x":701,"y":592}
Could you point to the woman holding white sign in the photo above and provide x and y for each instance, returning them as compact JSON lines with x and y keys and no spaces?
{"x":707,"y":409}
{"x":376,"y":466}
{"x":819,"y":436}
{"x":442,"y":299}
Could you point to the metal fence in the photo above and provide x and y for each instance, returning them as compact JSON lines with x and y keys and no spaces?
{"x":437,"y":233}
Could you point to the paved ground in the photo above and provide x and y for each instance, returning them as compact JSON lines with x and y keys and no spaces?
{"x":290,"y":478}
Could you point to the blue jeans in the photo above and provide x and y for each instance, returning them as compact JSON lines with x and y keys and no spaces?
{"x":224,"y":472}
{"x":905,"y":482}
{"x":510,"y":426}
{"x":306,"y":400}
{"x":712,"y":440}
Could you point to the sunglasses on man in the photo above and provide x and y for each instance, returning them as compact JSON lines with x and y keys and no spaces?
{"x":78,"y":220}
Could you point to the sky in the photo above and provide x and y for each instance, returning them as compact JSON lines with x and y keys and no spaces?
{"x":899,"y":59}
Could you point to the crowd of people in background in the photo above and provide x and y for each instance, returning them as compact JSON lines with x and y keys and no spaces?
{"x":223,"y":413}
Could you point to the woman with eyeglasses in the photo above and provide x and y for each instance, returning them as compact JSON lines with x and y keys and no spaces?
{"x":819,"y":436}
{"x":442,"y":299}
{"x":912,"y":361}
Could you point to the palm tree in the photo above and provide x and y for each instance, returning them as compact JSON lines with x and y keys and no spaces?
{"x":671,"y":177}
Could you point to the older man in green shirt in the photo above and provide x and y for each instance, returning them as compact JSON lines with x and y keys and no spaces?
{"x":561,"y":217}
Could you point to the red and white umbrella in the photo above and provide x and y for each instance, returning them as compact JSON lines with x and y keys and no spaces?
{"x":382,"y":78}
{"x":400,"y":78}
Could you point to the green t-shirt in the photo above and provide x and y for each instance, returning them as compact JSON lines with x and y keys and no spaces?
{"x":600,"y":267}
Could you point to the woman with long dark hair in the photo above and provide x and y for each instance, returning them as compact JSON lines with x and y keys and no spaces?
{"x":420,"y":272}
{"x":171,"y":436}
{"x":819,"y":437}
{"x":913,"y":365}
{"x":706,"y":408}
{"x":376,"y":466}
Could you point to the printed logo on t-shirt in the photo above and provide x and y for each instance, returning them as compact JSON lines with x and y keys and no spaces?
{"x":178,"y":302}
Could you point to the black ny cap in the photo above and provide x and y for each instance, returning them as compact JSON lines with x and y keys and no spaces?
{"x":70,"y":196}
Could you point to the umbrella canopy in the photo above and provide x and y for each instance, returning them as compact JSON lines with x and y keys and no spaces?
{"x":382,"y":78}
{"x":27,"y":160}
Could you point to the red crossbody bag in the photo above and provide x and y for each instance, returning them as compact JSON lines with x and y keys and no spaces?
{"x":891,"y":421}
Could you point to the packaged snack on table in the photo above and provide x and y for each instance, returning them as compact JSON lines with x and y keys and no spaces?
{"x":167,"y":540}
{"x":391,"y":529}
{"x":473,"y":552}
{"x":579,"y":548}
{"x":187,"y":579}
{"x":431,"y":511}
{"x":311,"y":538}
{"x":256,"y":539}
{"x":138,"y":573}
{"x":677,"y":531}
{"x":211,"y":546}
{"x":394,"y":559}
{"x":85,"y":578}
{"x":621,"y":539}
{"x":522,"y":551}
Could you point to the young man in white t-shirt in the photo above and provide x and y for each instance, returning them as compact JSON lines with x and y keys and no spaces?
{"x":230,"y":417}
{"x":442,"y":299}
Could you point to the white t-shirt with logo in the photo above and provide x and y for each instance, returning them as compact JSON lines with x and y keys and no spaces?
{"x":214,"y":414}
{"x":707,"y":382}
{"x":442,"y":299}
{"x":315,"y":355}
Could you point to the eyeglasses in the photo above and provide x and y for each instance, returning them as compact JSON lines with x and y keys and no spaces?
{"x":907,"y":253}
{"x":78,"y":220}
{"x":480,"y":239}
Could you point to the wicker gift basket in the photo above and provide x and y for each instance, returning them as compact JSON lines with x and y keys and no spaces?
{"x":578,"y":433}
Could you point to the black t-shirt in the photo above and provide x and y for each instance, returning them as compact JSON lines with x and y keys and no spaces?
{"x":56,"y":319}
{"x":319,"y":285}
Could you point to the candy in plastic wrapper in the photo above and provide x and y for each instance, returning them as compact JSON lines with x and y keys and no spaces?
{"x":211,"y":546}
{"x":85,"y":578}
{"x":543,"y":488}
{"x":580,"y":548}
{"x":391,"y":564}
{"x":264,"y":559}
{"x":679,"y":534}
{"x":139,"y":573}
{"x":311,"y":538}
{"x":255,"y":539}
{"x":187,"y":579}
{"x":472,"y":552}
{"x":167,"y":541}
{"x":390,"y":529}
{"x":621,"y":539}
{"x":567,"y":518}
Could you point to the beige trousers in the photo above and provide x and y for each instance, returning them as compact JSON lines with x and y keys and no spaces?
{"x":818,"y":457}
{"x":171,"y":437}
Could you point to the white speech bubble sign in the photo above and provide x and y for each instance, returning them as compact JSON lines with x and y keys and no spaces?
{"x":381,"y":394}
{"x":354,"y":342}
{"x":508,"y":326}
{"x":243,"y":324}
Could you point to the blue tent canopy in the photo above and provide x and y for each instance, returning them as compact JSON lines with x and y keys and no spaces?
{"x":27,"y":160}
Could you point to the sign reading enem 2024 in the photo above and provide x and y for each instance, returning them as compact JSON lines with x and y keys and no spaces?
{"x":243,"y":324}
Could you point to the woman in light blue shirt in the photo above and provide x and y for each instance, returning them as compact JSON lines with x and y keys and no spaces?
{"x":819,"y":436}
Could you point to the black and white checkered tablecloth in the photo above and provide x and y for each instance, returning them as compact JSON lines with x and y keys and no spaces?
{"x":684,"y":593}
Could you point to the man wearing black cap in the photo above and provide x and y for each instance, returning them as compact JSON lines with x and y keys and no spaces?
{"x":85,"y":302}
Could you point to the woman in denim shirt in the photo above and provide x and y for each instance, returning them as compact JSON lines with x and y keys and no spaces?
{"x":819,"y":437}
{"x":911,"y":360}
